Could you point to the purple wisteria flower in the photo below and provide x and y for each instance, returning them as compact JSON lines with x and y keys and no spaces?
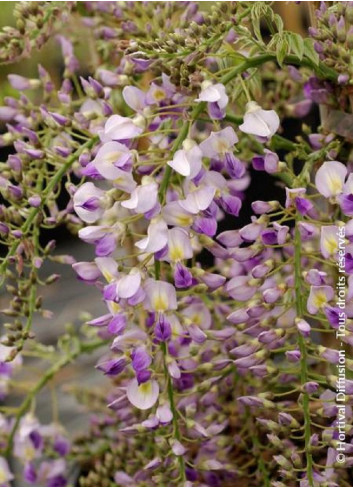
{"x":221,"y":238}
{"x":216,"y":97}
{"x":259,"y":122}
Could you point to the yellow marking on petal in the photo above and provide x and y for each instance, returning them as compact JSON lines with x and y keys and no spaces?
{"x":115,"y":307}
{"x":319,"y":299}
{"x":335,"y":185}
{"x":3,"y":477}
{"x":159,"y":94}
{"x":160,"y":302}
{"x":196,"y":319}
{"x":222,"y":145}
{"x":29,"y":453}
{"x":184,"y":221}
{"x":108,"y":276}
{"x":112,"y":157}
{"x":145,"y":388}
{"x":330,"y":245}
{"x":176,"y":253}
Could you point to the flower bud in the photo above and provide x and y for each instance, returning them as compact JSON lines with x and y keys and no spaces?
{"x":21,"y":83}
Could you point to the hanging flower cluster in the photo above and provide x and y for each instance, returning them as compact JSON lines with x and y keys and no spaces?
{"x":227,"y":330}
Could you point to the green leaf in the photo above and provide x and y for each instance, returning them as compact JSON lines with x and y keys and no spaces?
{"x":279,"y":23}
{"x":257,"y":29}
{"x":256,"y":20}
{"x":309,"y":51}
{"x":296,"y":43}
{"x":282,"y":49}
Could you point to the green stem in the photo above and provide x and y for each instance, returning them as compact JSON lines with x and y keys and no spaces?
{"x":238,"y":70}
{"x":252,"y":62}
{"x":31,"y":310}
{"x":260,"y":461}
{"x":157,"y":268}
{"x":300,"y":310}
{"x":319,"y":69}
{"x":176,"y":429}
{"x":33,"y":282}
{"x":235,"y":119}
{"x":279,"y":142}
{"x":46,"y":193}
{"x":245,"y":88}
{"x":49,"y":374}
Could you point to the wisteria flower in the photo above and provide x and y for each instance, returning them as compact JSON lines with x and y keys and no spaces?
{"x":319,"y":297}
{"x":330,"y":177}
{"x":213,"y":93}
{"x":118,"y":128}
{"x":156,"y":94}
{"x":239,"y":288}
{"x":128,"y":285}
{"x":329,"y":241}
{"x":6,"y":475}
{"x":198,"y":199}
{"x":103,"y":237}
{"x":179,"y":245}
{"x":259,"y":122}
{"x":144,"y":198}
{"x":157,"y":237}
{"x":220,"y":329}
{"x":87,"y":271}
{"x":216,"y":97}
{"x":89,"y":202}
{"x":160,"y":296}
{"x":111,"y":158}
{"x":187,"y":161}
{"x":143,"y":396}
{"x":219,"y":143}
{"x":134,"y":98}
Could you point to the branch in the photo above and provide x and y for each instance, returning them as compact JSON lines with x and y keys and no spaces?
{"x":319,"y":69}
{"x":46,"y":193}
{"x":49,"y":374}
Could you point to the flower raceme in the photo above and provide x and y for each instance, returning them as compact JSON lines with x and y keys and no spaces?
{"x":202,"y":357}
{"x":160,"y":309}
{"x":174,"y":230}
{"x":222,"y":322}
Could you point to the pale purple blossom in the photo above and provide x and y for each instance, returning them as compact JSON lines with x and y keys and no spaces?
{"x":330,"y":177}
{"x":160,"y":296}
{"x":187,"y":161}
{"x":157,"y":237}
{"x":144,"y":198}
{"x":119,"y":128}
{"x":216,"y":97}
{"x":6,"y":476}
{"x":219,"y":143}
{"x":143,"y":396}
{"x":89,"y":202}
{"x":111,"y":158}
{"x":329,"y":241}
{"x":319,"y":297}
{"x":259,"y":122}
